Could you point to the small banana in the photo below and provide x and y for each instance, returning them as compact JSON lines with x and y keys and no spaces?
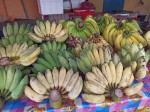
{"x":49,"y":78}
{"x":53,"y":28}
{"x":62,"y":76}
{"x":55,"y":74}
{"x":48,"y":27}
{"x":96,"y":55}
{"x":119,"y":70}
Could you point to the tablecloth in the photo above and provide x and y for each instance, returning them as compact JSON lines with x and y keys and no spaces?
{"x":139,"y":102}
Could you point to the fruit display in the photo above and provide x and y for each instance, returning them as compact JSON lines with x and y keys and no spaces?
{"x":12,"y":84}
{"x":47,"y":31}
{"x":19,"y":54}
{"x":82,"y":28}
{"x":147,"y":38}
{"x":109,"y":80}
{"x":54,"y":84}
{"x":135,"y":56}
{"x":14,"y":33}
{"x":49,"y":60}
{"x":103,"y":21}
{"x":89,"y":57}
{"x":111,"y":31}
{"x":134,"y":23}
{"x":127,"y":37}
{"x":53,"y":46}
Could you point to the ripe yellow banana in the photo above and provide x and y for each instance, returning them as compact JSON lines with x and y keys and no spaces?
{"x":53,"y":28}
{"x":22,"y":48}
{"x":43,"y":80}
{"x":101,"y":56}
{"x":38,"y":32}
{"x":61,"y":33}
{"x":15,"y":49}
{"x":37,"y":86}
{"x":49,"y":78}
{"x":141,"y":73}
{"x":131,"y":80}
{"x":48,"y":27}
{"x":35,"y":38}
{"x":123,"y":42}
{"x":113,"y":71}
{"x":33,"y":95}
{"x":133,"y":89}
{"x":117,"y":41}
{"x":58,"y":29}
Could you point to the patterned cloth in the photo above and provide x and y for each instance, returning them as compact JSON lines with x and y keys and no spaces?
{"x":139,"y":102}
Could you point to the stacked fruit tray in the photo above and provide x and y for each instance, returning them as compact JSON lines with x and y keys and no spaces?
{"x":93,"y":59}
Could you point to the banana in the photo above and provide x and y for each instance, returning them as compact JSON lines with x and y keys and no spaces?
{"x":74,"y":93}
{"x":9,"y":29}
{"x":55,"y":74}
{"x":18,"y":91}
{"x":5,"y":42}
{"x":125,"y":77}
{"x":93,"y":98}
{"x":37,"y":86}
{"x":56,"y":59}
{"x":107,"y":54}
{"x":17,"y":78}
{"x":22,"y":29}
{"x":73,"y":64}
{"x":53,"y":28}
{"x":3,"y":52}
{"x":49,"y":78}
{"x":110,"y":36}
{"x":22,"y":48}
{"x":39,"y":67}
{"x":61,"y":33}
{"x":12,"y":39}
{"x":72,"y":81}
{"x":27,"y":30}
{"x":54,"y":45}
{"x":15,"y":49}
{"x":35,"y":38}
{"x":117,"y":41}
{"x":140,"y":39}
{"x":58,"y":29}
{"x":16,"y":28}
{"x":91,"y":56}
{"x":101,"y":56}
{"x":133,"y":65}
{"x":133,"y":89}
{"x":113,"y":71}
{"x":49,"y":45}
{"x":119,"y":70}
{"x":43,"y":80}
{"x":141,"y":53}
{"x":48,"y":27}
{"x":133,"y":50}
{"x":3,"y":77}
{"x":96,"y":55}
{"x":107,"y":73}
{"x":130,"y":80}
{"x":42,"y":28}
{"x":10,"y":76}
{"x":62,"y":76}
{"x":141,"y":73}
{"x":123,"y":42}
{"x":33,"y":95}
{"x":126,"y":59}
{"x":45,"y":63}
{"x":38,"y":32}
{"x":140,"y":62}
{"x":68,"y":77}
{"x":44,"y":47}
{"x":99,"y":74}
{"x":96,"y":89}
{"x":62,"y":39}
{"x":64,"y":62}
{"x":5,"y":31}
{"x":134,"y":40}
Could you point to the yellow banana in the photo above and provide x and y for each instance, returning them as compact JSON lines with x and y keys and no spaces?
{"x":58,"y":29}
{"x":93,"y":98}
{"x":119,"y":70}
{"x":96,"y":55}
{"x":48,"y":27}
{"x":55,"y":74}
{"x":49,"y":78}
{"x":62,"y":76}
{"x":101,"y":56}
{"x":53,"y":28}
{"x":118,"y":41}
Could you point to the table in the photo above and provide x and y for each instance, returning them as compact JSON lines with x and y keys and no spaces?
{"x":139,"y":102}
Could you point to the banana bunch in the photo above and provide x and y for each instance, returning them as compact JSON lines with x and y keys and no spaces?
{"x":147,"y":38}
{"x":103,"y":21}
{"x":51,"y":59}
{"x":18,"y":54}
{"x":45,"y":31}
{"x":110,"y":80}
{"x":53,"y":85}
{"x":135,"y":24}
{"x":82,"y":29}
{"x":53,"y":46}
{"x":93,"y":57}
{"x":12,"y":84}
{"x":135,"y":56}
{"x":128,"y":37}
{"x":15,"y":29}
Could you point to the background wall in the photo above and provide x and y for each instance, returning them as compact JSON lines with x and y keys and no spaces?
{"x":15,"y":9}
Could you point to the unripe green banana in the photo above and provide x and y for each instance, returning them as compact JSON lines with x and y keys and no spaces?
{"x":9,"y":29}
{"x":22,"y":29}
{"x":16,"y":28}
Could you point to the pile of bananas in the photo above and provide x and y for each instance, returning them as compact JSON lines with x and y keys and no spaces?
{"x":49,"y":60}
{"x":128,"y":37}
{"x":103,"y":21}
{"x":45,"y":31}
{"x":135,"y":56}
{"x":12,"y":83}
{"x":18,"y":54}
{"x":110,"y":80}
{"x":54,"y":84}
{"x":82,"y":28}
{"x":93,"y":57}
{"x":53,"y":46}
{"x":14,"y":33}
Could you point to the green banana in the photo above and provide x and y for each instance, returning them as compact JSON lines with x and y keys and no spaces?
{"x":48,"y":43}
{"x":63,"y":47}
{"x":16,"y":28}
{"x":17,"y":78}
{"x":45,"y":63}
{"x":19,"y":90}
{"x":44,"y":47}
{"x":39,"y":67}
{"x":19,"y":38}
{"x":27,"y":29}
{"x":22,"y":29}
{"x":5,"y":41}
{"x":43,"y":28}
{"x":64,"y":62}
{"x":58,"y":46}
{"x":9,"y":29}
{"x":12,"y":39}
{"x":73,"y":64}
{"x":5,"y":31}
{"x":54,"y":45}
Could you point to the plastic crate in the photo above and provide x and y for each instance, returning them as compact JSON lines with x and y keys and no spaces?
{"x":47,"y":7}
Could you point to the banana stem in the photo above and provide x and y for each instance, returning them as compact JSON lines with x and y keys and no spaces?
{"x":2,"y":101}
{"x":55,"y":99}
{"x":116,"y":94}
{"x":4,"y":61}
{"x":126,"y":33}
{"x":119,"y":24}
{"x":81,"y":24}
